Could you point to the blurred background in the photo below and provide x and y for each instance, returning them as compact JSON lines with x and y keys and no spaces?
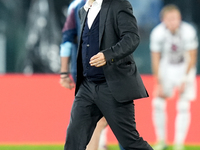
{"x":33,"y":109}
{"x":30,"y":32}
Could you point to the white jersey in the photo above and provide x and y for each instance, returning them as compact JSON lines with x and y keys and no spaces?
{"x":174,"y":56}
{"x":173,"y":46}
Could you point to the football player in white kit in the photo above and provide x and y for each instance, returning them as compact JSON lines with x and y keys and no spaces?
{"x":173,"y":45}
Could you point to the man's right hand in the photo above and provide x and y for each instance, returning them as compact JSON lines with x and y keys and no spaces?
{"x":67,"y":82}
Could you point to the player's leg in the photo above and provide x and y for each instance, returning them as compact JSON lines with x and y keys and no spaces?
{"x":103,"y":137}
{"x":159,"y":120}
{"x":183,"y":117}
{"x":96,"y":142}
{"x":159,"y":113}
{"x":182,"y":123}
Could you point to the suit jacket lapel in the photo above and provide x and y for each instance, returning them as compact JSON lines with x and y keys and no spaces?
{"x":103,"y":15}
{"x":83,"y":17}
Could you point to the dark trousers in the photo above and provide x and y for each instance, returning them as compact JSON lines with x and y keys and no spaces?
{"x":92,"y":102}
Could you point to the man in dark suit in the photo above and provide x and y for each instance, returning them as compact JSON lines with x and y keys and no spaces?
{"x":107,"y":77}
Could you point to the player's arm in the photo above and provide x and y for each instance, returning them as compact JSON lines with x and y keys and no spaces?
{"x":156,"y":41}
{"x":69,"y":33}
{"x":156,"y":45}
{"x":64,"y":66}
{"x":192,"y":61}
{"x":191,"y":64}
{"x":65,"y":80}
{"x":191,"y":46}
{"x":155,"y":61}
{"x":65,"y":52}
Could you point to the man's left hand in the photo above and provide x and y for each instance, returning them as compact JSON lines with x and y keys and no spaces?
{"x":98,"y":60}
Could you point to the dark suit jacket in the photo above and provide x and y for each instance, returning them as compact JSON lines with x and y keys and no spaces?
{"x":118,"y":39}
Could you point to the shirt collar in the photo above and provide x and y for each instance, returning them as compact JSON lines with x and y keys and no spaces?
{"x":98,"y":2}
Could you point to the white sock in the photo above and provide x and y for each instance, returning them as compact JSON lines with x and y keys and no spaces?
{"x":159,"y":118}
{"x":182,"y":121}
{"x":103,"y":138}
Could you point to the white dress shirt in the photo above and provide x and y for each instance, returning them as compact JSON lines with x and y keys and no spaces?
{"x":94,"y":10}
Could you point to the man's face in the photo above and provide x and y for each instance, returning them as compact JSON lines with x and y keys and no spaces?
{"x":172,"y":20}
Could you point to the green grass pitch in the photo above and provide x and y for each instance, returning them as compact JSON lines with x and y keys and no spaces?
{"x":60,"y":147}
